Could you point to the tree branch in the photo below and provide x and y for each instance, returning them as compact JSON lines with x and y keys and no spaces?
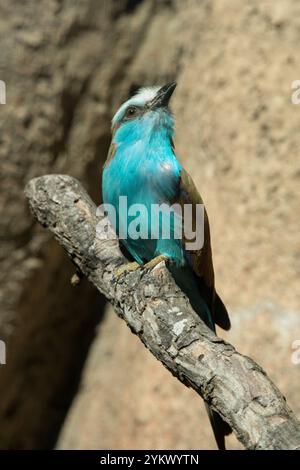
{"x":157,"y":311}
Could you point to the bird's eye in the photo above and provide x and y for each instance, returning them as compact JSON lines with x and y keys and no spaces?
{"x":131,"y":111}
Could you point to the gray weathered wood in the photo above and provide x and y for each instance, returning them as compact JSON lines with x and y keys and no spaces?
{"x":157,"y":311}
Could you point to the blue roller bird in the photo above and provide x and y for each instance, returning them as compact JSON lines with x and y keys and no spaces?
{"x":142,"y":166}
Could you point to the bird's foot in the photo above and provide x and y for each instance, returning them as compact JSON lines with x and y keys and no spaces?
{"x":155,"y":261}
{"x":126,"y":268}
{"x":130,"y":267}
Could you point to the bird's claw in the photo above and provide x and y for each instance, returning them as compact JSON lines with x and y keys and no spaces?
{"x":126,"y":268}
{"x":131,"y":267}
{"x":155,"y":261}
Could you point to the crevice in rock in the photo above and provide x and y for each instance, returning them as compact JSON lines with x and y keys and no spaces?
{"x":56,"y":327}
{"x":127,"y":7}
{"x":131,"y":5}
{"x":54,"y":336}
{"x":55,"y":322}
{"x":69,"y":101}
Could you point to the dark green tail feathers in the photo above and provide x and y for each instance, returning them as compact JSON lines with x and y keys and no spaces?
{"x":220,"y":427}
{"x":221,"y":316}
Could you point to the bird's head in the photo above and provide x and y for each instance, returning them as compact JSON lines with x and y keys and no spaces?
{"x":145,"y":114}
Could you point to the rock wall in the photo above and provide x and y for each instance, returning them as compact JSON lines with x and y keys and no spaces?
{"x":68,"y":65}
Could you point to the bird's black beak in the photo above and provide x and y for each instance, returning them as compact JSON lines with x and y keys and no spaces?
{"x":163,"y":96}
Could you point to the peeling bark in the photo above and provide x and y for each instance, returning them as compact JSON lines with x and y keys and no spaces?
{"x":157,"y":311}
